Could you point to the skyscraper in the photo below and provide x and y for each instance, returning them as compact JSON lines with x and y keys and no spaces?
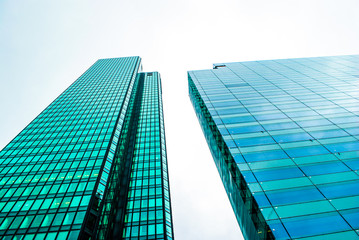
{"x":284,"y":135}
{"x":93,"y":164}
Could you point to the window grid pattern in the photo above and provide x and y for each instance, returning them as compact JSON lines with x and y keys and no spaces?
{"x":291,"y":126}
{"x":148,"y":211}
{"x":118,"y":174}
{"x":50,"y":170}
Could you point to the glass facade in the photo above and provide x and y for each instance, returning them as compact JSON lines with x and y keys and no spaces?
{"x":92,"y":162}
{"x":285,"y":138}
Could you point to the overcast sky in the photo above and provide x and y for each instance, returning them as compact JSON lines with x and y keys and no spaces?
{"x":46,"y":45}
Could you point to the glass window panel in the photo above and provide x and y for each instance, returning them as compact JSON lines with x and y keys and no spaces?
{"x":318,"y":169}
{"x":325,"y":223}
{"x":304,"y":209}
{"x":295,"y":195}
{"x":343,"y":189}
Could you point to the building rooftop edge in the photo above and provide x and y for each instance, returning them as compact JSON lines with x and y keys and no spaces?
{"x":219,"y":64}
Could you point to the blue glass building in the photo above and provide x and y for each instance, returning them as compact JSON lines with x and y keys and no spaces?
{"x":285,"y":138}
{"x":93,"y":164}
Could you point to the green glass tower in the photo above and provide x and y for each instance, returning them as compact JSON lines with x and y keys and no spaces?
{"x":284,"y":135}
{"x":93,"y":164}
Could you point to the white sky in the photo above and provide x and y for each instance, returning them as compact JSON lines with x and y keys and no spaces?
{"x":46,"y":45}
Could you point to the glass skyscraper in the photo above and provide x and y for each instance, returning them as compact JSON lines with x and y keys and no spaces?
{"x":93,"y":164}
{"x":285,"y":138}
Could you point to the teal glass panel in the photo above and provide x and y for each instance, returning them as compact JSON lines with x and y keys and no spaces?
{"x":58,"y":173}
{"x":285,"y":132}
{"x":149,"y":188}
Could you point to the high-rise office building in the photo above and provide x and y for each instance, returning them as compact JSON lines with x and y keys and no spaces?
{"x":93,"y":164}
{"x":285,"y":138}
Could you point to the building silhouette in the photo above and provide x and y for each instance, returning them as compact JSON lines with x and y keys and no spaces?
{"x":93,"y":164}
{"x":284,"y":135}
